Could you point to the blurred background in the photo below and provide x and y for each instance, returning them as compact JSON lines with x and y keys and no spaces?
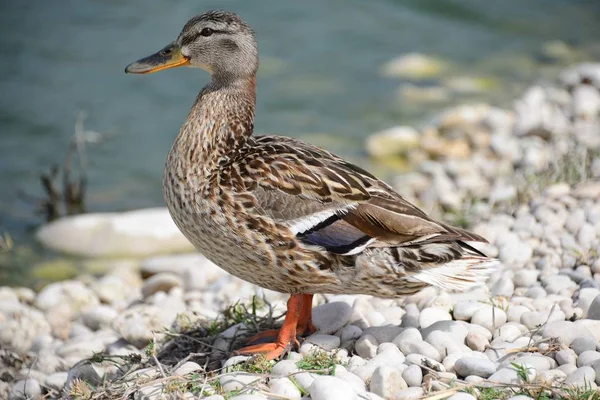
{"x":327,"y":75}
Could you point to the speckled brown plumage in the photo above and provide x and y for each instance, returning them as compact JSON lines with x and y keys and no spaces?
{"x":282,"y":213}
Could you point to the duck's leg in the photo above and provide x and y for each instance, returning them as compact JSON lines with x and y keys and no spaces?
{"x":304,"y":327}
{"x":286,"y":336}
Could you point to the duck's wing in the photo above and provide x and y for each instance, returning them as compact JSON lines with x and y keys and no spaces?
{"x":328,"y":202}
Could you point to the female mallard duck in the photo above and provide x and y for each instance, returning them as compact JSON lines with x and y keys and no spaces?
{"x":285,"y":214}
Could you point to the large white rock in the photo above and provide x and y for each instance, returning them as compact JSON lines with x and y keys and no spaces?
{"x":134,"y":233}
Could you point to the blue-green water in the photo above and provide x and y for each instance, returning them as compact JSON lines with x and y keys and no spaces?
{"x":319,"y":77}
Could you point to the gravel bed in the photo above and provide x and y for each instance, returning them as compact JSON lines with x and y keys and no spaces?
{"x":165,"y":327}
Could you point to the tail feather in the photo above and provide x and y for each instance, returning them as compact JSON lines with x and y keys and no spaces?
{"x":459,"y":274}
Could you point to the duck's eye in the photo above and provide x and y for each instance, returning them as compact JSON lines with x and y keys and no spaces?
{"x":206,"y":32}
{"x":166,"y":52}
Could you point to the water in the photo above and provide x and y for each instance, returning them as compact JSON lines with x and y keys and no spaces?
{"x":318,"y":80}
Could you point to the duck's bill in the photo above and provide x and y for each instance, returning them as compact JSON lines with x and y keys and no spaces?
{"x":169,"y":57}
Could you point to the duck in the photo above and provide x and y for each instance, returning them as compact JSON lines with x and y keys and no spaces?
{"x":285,"y":214}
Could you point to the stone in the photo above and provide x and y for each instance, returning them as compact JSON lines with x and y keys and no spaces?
{"x":26,"y":389}
{"x":326,"y":342}
{"x":387,"y":381}
{"x":476,"y":341}
{"x":384,"y":334}
{"x":74,"y":293}
{"x":464,"y":310}
{"x":565,"y":356}
{"x":457,"y":330}
{"x":189,"y":367}
{"x":445,"y":344}
{"x":581,"y":344}
{"x":510,"y":331}
{"x":420,"y":347}
{"x":594,"y":309}
{"x":504,"y":287}
{"x":393,"y":141}
{"x":331,"y":388}
{"x":489,"y":317}
{"x":161,"y":282}
{"x":86,"y":372}
{"x":581,"y":376}
{"x":330,"y":317}
{"x":137,"y":323}
{"x":509,"y":376}
{"x":20,"y":326}
{"x":366,"y":346}
{"x":462,"y":396}
{"x":515,"y":313}
{"x":237,"y":381}
{"x":536,"y":361}
{"x":391,"y":357}
{"x":515,"y":253}
{"x":413,"y":65}
{"x":99,"y":317}
{"x":412,"y":393}
{"x":526,"y":277}
{"x":466,"y":366}
{"x":357,"y":384}
{"x":553,"y":377}
{"x":425,"y":362}
{"x":412,"y":375}
{"x":349,"y":332}
{"x":565,"y":331}
{"x":431,"y":315}
{"x":56,"y":381}
{"x":587,"y":358}
{"x":135,"y":233}
{"x":285,"y":388}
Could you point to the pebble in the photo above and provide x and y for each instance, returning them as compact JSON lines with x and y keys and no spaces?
{"x":565,"y":331}
{"x":587,"y":358}
{"x":161,"y":282}
{"x":330,"y":317}
{"x":476,"y":342}
{"x":509,"y":376}
{"x":56,"y":381}
{"x":26,"y":389}
{"x":412,"y":393}
{"x":366,"y":346}
{"x":565,"y":356}
{"x":464,"y":310}
{"x":420,"y":347}
{"x":412,"y":375}
{"x":474,"y":366}
{"x":386,"y":381}
{"x":189,"y":367}
{"x":431,"y":315}
{"x":238,"y":380}
{"x":384,"y":334}
{"x":357,"y":384}
{"x":326,"y":342}
{"x":391,"y":357}
{"x":462,"y":396}
{"x":489,"y":317}
{"x":581,"y":376}
{"x":582,"y":343}
{"x":594,"y":309}
{"x":349,"y":332}
{"x":284,"y":387}
{"x":331,"y":388}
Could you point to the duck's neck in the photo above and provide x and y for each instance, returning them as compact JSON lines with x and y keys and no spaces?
{"x":220,"y":121}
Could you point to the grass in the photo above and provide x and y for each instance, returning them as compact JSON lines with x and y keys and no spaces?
{"x":319,"y":361}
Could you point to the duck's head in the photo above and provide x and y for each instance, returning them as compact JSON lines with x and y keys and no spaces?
{"x":216,"y":41}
